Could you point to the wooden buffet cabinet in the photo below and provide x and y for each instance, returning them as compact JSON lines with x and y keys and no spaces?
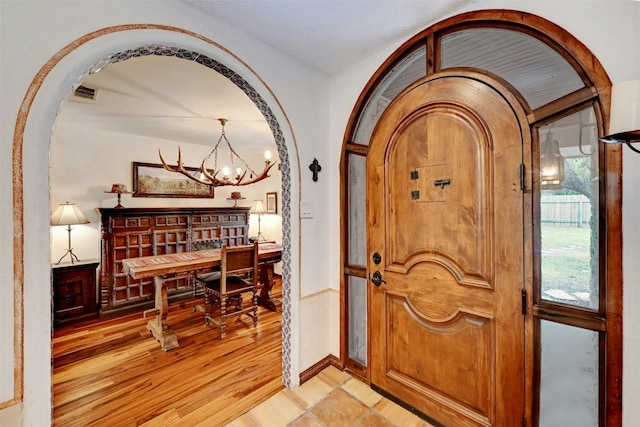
{"x":74,"y":291}
{"x":136,"y":232}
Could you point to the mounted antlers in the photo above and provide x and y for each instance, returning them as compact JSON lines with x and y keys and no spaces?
{"x":210,"y":175}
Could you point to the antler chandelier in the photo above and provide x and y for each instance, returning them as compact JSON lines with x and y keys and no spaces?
{"x":220,"y":177}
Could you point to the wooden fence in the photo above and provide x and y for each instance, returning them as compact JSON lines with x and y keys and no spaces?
{"x":566,"y":211}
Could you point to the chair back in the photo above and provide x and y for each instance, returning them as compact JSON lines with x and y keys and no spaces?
{"x":236,"y":260}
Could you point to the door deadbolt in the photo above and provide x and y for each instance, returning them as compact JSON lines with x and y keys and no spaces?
{"x":377,"y":259}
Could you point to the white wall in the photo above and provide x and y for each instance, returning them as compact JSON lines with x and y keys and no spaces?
{"x":25,"y":50}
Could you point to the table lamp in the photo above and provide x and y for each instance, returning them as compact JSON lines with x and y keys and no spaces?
{"x":119,"y":189}
{"x":68,"y":214}
{"x":258,"y":208}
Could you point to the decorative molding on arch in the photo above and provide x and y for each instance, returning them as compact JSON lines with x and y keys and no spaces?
{"x":18,"y":177}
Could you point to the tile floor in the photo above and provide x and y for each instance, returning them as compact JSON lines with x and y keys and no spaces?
{"x":330,"y":399}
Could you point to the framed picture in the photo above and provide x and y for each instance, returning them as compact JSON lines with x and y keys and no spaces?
{"x":272,"y":202}
{"x":153,"y":180}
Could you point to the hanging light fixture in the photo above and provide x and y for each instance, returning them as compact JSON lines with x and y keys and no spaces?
{"x":551,"y":164}
{"x":233,"y":173}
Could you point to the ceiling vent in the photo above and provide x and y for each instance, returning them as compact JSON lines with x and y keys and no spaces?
{"x":85,"y":93}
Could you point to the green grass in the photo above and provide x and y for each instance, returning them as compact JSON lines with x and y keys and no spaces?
{"x":555,"y":237}
{"x":566,"y":260}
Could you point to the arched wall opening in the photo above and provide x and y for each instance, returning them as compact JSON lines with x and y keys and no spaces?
{"x":31,"y":144}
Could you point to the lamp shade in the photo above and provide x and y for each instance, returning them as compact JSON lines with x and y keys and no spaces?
{"x":624,"y":123}
{"x":68,"y":214}
{"x":258,"y":207}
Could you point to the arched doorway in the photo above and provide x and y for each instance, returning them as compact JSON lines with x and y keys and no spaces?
{"x":561,"y":86}
{"x":31,"y":213}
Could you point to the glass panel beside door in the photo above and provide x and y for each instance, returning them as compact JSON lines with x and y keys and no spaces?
{"x":569,"y":376}
{"x":569,"y":194}
{"x":357,"y":319}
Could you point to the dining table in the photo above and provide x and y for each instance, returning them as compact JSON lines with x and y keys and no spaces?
{"x":160,"y":266}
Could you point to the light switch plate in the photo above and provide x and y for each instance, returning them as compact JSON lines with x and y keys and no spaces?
{"x":306,"y":210}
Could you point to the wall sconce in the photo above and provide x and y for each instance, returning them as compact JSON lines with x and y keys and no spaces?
{"x":624,"y":120}
{"x":68,"y":214}
{"x":551,"y":164}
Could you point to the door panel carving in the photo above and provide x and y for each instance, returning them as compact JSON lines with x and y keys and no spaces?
{"x":467,"y":338}
{"x":446,"y":209}
{"x":442,"y":143}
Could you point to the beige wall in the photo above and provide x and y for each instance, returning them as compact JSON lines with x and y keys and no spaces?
{"x":32,"y":32}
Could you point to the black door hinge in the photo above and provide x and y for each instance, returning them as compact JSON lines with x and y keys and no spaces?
{"x":522,"y":187}
{"x":524,"y":302}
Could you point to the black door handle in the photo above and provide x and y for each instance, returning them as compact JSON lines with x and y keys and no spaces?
{"x":377,"y":278}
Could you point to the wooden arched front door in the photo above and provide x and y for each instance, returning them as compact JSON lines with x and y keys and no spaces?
{"x":446,"y":226}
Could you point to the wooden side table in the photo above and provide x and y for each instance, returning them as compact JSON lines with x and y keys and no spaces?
{"x":74,"y":291}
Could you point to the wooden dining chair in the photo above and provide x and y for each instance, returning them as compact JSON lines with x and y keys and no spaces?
{"x":201,"y":279}
{"x":238,"y":275}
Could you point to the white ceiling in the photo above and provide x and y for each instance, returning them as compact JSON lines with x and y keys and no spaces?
{"x":179,"y":100}
{"x":330,"y":35}
{"x":150,"y":96}
{"x":167,"y":98}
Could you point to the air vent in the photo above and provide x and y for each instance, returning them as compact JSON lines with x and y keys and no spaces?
{"x":86,"y":92}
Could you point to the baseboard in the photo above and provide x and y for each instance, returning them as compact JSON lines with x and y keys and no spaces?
{"x":315,"y":369}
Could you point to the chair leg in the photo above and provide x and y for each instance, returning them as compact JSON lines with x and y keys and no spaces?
{"x":207,"y":308}
{"x":254,"y":301}
{"x":223,"y":313}
{"x":197,"y":306}
{"x":228,"y":307}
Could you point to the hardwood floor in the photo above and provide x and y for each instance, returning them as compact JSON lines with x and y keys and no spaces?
{"x":113,"y":373}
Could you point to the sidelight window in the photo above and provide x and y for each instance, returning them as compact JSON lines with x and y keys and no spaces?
{"x":569,"y":313}
{"x":569,"y":214}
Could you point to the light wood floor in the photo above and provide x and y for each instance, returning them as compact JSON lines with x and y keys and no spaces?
{"x":113,"y":373}
{"x":332,"y":398}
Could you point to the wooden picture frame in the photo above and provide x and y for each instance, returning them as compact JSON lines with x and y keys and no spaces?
{"x":153,"y":180}
{"x":272,"y":202}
